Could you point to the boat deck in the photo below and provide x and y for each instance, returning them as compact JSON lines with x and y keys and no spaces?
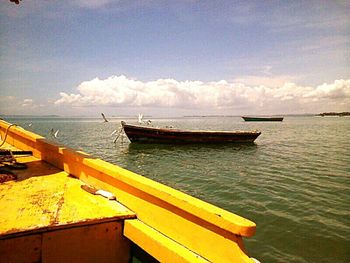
{"x":45,"y":199}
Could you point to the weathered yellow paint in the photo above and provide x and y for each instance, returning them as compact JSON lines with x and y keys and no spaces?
{"x":46,"y":197}
{"x":20,"y":138}
{"x":45,"y":216}
{"x":155,"y":243}
{"x":208,"y":231}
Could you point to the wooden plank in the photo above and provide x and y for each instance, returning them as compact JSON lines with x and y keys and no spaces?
{"x":21,"y":249}
{"x":157,"y":245}
{"x":94,"y":243}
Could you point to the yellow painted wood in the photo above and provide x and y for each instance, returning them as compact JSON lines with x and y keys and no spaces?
{"x":210,"y":213}
{"x":209,"y":231}
{"x":45,"y":197}
{"x":184,"y":222}
{"x":157,"y":245}
{"x":20,"y":138}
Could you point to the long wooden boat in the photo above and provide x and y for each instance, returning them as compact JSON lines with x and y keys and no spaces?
{"x":47,"y":216}
{"x":138,"y":133}
{"x":245,"y":118}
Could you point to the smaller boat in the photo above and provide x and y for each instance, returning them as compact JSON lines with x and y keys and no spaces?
{"x":245,"y":118}
{"x":137,"y":133}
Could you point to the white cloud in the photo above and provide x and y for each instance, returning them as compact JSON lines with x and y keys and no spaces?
{"x":93,"y":3}
{"x":338,"y":90}
{"x":11,"y":105}
{"x":27,"y":103}
{"x":268,"y":80}
{"x":120,"y":91}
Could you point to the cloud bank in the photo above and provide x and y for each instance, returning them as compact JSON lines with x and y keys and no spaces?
{"x":121,"y":91}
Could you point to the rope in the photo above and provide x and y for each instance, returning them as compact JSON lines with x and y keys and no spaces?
{"x":6,"y":133}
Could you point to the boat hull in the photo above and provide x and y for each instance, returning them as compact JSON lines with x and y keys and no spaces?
{"x":157,"y":135}
{"x":262,"y":118}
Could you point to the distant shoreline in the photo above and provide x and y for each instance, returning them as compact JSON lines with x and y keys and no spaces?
{"x":340,"y":114}
{"x":147,"y":116}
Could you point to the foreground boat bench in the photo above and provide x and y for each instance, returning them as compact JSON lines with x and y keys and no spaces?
{"x":170,"y":225}
{"x":46,"y":216}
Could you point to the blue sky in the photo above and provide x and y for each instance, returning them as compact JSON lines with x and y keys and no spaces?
{"x":80,"y":57}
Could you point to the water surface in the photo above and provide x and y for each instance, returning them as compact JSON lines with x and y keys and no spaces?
{"x":294,"y":182}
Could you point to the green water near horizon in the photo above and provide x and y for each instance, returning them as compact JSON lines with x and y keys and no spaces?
{"x":294,"y":182}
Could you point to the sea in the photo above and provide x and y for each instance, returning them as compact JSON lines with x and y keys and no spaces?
{"x":293,"y":182}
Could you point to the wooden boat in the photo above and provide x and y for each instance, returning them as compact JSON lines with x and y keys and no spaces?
{"x":138,"y":133}
{"x":47,"y":216}
{"x":245,"y":118}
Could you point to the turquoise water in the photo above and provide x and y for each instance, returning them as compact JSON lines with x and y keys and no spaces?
{"x":294,"y":182}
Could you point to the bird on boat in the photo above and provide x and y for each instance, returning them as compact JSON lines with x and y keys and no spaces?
{"x":104,"y":117}
{"x":53,"y":133}
{"x":114,"y":132}
{"x":140,"y":118}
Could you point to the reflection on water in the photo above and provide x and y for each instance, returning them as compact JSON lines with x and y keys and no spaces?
{"x":294,"y":182}
{"x":192,"y":147}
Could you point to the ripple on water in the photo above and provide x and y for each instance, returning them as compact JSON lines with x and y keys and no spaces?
{"x":294,"y":182}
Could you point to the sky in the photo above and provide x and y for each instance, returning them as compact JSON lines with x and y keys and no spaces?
{"x":174,"y":58}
